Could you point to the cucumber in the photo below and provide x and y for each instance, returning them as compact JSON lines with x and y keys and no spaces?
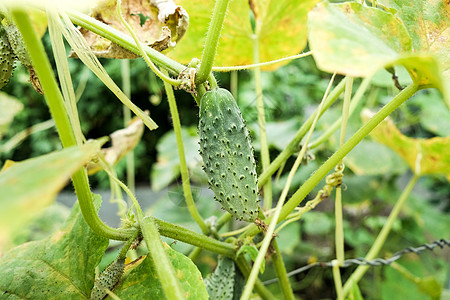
{"x":228,"y":155}
{"x":108,"y":279}
{"x":17,"y":44}
{"x":7,"y":58}
{"x":220,"y":284}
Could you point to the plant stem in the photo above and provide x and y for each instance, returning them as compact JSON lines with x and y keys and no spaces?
{"x":265,"y":158}
{"x":328,"y":165}
{"x":337,"y":280}
{"x":183,"y":166}
{"x":381,"y":238}
{"x":212,"y":40}
{"x":258,"y":65}
{"x":280,"y":269}
{"x":123,"y":40}
{"x":259,"y":287}
{"x":355,"y":101}
{"x":58,"y":111}
{"x":185,"y":235}
{"x":126,"y":87}
{"x":295,"y":142}
{"x":166,"y":273}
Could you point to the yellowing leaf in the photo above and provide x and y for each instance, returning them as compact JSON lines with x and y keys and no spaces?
{"x":123,"y":141}
{"x":424,"y":156}
{"x":158,"y":24}
{"x":28,"y":186}
{"x":282,"y":31}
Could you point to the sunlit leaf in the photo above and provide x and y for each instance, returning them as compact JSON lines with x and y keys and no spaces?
{"x":282,"y":30}
{"x":140,"y":280}
{"x":424,"y":156}
{"x":352,"y":39}
{"x":357,"y":40}
{"x":28,"y":186}
{"x":158,"y":24}
{"x":60,"y":266}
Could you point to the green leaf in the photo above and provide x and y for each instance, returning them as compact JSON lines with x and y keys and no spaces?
{"x":282,"y":30}
{"x":355,"y":293}
{"x":167,"y":167}
{"x":220,"y":284}
{"x":352,"y":39}
{"x":141,"y":281}
{"x":253,"y":253}
{"x":61,"y":265}
{"x":9,"y":107}
{"x":30,"y":185}
{"x":382,"y":160}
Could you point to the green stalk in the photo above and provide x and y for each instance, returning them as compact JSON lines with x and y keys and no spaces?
{"x":183,"y":166}
{"x":124,"y":40}
{"x":212,"y":40}
{"x":259,"y":287}
{"x":265,"y":158}
{"x":355,"y":101}
{"x":339,"y":230}
{"x":58,"y":111}
{"x":337,"y":280}
{"x":126,"y":87}
{"x":295,"y":142}
{"x":205,"y":242}
{"x":164,"y":269}
{"x":327,"y":166}
{"x":280,"y":269}
{"x":382,"y":236}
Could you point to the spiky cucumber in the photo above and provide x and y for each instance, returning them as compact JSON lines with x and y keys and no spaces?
{"x":7,"y":58}
{"x":228,"y":155}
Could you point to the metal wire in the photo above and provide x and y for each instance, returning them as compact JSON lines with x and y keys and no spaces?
{"x":363,"y":262}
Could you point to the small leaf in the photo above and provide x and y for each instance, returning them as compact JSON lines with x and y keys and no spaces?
{"x":253,"y":253}
{"x":30,"y":185}
{"x":141,"y":282}
{"x":61,"y":265}
{"x":424,"y":156}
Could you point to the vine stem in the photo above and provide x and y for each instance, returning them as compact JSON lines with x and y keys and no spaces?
{"x":123,"y":40}
{"x":293,"y":145}
{"x":328,"y":165}
{"x":212,"y":40}
{"x":183,"y":166}
{"x":164,"y":268}
{"x":382,"y":236}
{"x":259,"y":287}
{"x":265,"y":158}
{"x":274,"y":220}
{"x":259,"y":65}
{"x":58,"y":111}
{"x":280,"y":269}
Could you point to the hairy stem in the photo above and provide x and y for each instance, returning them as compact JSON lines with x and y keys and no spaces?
{"x":183,"y":166}
{"x":212,"y":40}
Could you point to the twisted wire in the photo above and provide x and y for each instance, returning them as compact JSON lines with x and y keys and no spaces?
{"x":373,"y":263}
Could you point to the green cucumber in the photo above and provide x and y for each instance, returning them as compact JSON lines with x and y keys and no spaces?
{"x":108,"y":279}
{"x":17,"y":44}
{"x":228,"y":155}
{"x":7,"y":58}
{"x":220,"y":284}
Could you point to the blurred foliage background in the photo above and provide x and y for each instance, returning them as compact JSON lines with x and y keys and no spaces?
{"x":374,"y":178}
